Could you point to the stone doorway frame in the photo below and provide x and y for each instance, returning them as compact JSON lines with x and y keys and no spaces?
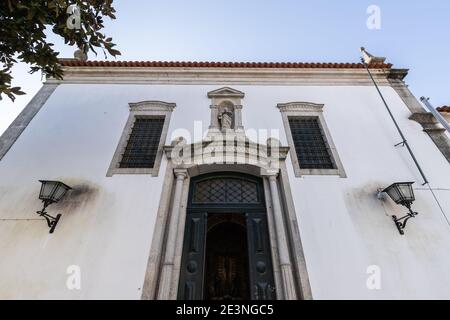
{"x":289,"y":265}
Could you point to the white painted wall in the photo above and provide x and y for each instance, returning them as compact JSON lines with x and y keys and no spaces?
{"x":107,"y":228}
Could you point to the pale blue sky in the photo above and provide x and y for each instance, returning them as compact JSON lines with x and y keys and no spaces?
{"x":414,"y":35}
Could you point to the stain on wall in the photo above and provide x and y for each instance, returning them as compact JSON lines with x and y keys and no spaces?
{"x":83,"y":193}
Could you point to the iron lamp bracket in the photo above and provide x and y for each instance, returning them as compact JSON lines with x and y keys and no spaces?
{"x":400,"y":223}
{"x":51,"y":221}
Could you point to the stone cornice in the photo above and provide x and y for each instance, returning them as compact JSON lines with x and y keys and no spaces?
{"x":435,"y":130}
{"x":224,"y":76}
{"x":428,"y":121}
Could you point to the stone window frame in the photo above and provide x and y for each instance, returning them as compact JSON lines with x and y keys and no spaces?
{"x":143,"y":109}
{"x":308,"y":110}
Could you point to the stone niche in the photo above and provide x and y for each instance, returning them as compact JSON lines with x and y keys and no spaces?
{"x":226,"y":111}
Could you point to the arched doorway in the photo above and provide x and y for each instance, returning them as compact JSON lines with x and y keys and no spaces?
{"x":226,"y":258}
{"x":226,"y":248}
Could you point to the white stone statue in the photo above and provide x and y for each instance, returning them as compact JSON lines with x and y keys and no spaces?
{"x":226,"y":119}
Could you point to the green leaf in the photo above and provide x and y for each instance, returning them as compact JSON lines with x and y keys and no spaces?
{"x":23,"y":38}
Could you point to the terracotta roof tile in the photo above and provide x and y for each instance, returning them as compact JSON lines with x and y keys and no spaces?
{"x":444,"y":109}
{"x":202,"y":64}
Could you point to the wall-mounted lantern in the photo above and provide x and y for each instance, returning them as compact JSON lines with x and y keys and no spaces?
{"x":402,"y":193}
{"x":51,"y":192}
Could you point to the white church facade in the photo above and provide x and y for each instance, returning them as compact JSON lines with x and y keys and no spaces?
{"x":224,"y":181}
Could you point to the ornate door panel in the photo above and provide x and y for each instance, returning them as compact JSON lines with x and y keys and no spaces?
{"x":262,"y":286}
{"x":192,"y":266}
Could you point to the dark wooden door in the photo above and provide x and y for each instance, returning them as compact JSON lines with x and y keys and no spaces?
{"x":222,"y":194}
{"x":260,"y":258}
{"x":192,"y":266}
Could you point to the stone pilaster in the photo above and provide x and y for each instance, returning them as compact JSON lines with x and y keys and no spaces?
{"x":285,"y":261}
{"x":169,"y":257}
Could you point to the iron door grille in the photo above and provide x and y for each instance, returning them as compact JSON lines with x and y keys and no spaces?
{"x":226,"y":190}
{"x":310,"y":143}
{"x":143,"y":144}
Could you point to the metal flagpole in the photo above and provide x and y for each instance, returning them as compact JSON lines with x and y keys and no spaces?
{"x":436,"y":114}
{"x":404,"y":141}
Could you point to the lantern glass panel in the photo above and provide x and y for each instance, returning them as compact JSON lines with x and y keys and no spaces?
{"x":393,"y":193}
{"x":52,"y":191}
{"x":401,"y":193}
{"x":406,"y":192}
{"x":47,"y":190}
{"x":60,"y":192}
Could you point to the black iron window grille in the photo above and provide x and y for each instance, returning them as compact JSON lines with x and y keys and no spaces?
{"x":226,"y":190}
{"x":310,"y":143}
{"x":143,"y":143}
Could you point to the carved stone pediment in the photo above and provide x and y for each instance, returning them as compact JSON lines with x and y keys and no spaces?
{"x":300,"y":106}
{"x":230,"y":149}
{"x":226,"y":92}
{"x":152,"y":106}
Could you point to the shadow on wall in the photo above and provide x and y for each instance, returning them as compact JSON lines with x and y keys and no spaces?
{"x":83,"y":193}
{"x":365,"y":208}
{"x":18,"y":206}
